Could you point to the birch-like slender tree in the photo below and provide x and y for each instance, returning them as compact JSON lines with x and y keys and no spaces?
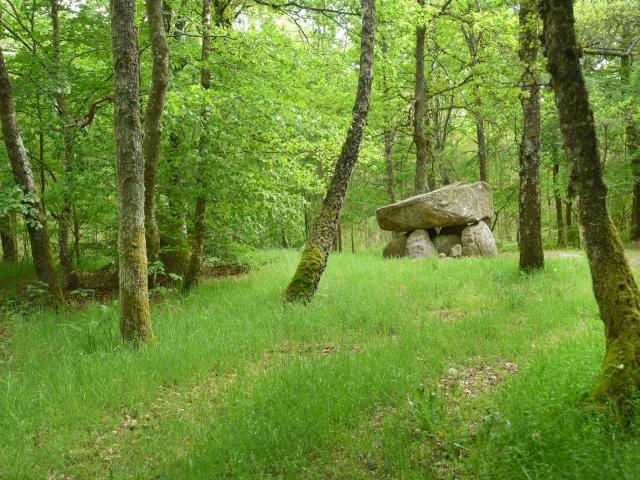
{"x":34,"y":218}
{"x":315,"y":255}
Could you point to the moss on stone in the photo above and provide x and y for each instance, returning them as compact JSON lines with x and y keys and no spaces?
{"x":305,"y":281}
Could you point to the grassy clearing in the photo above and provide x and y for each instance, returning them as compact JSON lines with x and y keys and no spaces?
{"x":398,"y":369}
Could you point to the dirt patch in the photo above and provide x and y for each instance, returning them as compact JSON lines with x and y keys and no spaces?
{"x":470,"y":381}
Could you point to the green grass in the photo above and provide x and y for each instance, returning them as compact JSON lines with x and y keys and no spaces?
{"x":239,"y":385}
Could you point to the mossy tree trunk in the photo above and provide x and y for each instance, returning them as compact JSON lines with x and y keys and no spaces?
{"x":65,"y":214}
{"x":153,"y":126}
{"x":614,"y":286}
{"x":419,"y":135}
{"x":35,"y":219}
{"x":199,"y":223}
{"x":135,"y":320}
{"x":9,"y":238}
{"x":530,"y":222}
{"x":314,"y":258}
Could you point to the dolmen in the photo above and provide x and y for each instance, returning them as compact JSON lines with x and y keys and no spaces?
{"x":452,"y":221}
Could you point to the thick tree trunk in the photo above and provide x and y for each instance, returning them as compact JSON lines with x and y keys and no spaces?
{"x":9,"y":238}
{"x":199,"y":224}
{"x":135,"y":320}
{"x":419,"y":135}
{"x":153,"y":126}
{"x":35,"y":219}
{"x":65,"y":215}
{"x":531,"y":253}
{"x":314,"y":258}
{"x":614,"y":286}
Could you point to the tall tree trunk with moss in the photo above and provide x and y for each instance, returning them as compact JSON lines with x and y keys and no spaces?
{"x":419,"y":135}
{"x":65,"y":214}
{"x":153,"y":126}
{"x":199,"y":223}
{"x":135,"y":319}
{"x":9,"y":238}
{"x":614,"y":286}
{"x":530,"y":222}
{"x":314,"y":258}
{"x":35,"y":219}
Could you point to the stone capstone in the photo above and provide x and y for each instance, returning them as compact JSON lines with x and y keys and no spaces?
{"x":451,"y":205}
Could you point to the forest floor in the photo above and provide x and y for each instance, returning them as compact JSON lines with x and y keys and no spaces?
{"x":397,"y":369}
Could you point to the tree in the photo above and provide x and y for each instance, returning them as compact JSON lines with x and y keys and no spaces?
{"x":530,"y":222}
{"x":34,"y":218}
{"x":153,"y":125}
{"x":199,"y":225}
{"x":419,"y":135}
{"x":614,"y":287}
{"x":9,"y":238}
{"x":65,"y":215}
{"x":314,"y":258}
{"x":135,"y":320}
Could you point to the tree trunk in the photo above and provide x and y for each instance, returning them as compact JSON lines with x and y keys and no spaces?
{"x":9,"y":238}
{"x":314,"y":258}
{"x":135,"y":320}
{"x":531,"y":253}
{"x":35,"y":219}
{"x":389,"y":136}
{"x":153,"y":126}
{"x":614,"y":286}
{"x":419,"y":136}
{"x":65,"y":215}
{"x":556,"y":196}
{"x":199,"y":224}
{"x":473,"y":44}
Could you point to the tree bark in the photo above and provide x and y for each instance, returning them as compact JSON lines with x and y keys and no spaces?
{"x":65,"y":214}
{"x":9,"y":238}
{"x":153,"y":126}
{"x":556,"y":194}
{"x":135,"y":320}
{"x":199,"y":224}
{"x":314,"y":258}
{"x":419,"y":136}
{"x":35,"y":218}
{"x":389,"y":136}
{"x":615,"y":289}
{"x":530,"y":223}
